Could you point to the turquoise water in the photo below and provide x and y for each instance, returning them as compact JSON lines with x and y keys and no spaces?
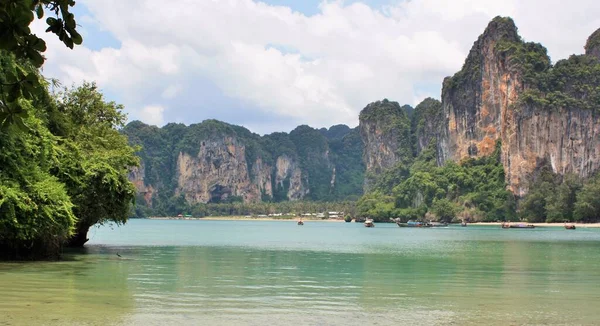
{"x":256,"y":272}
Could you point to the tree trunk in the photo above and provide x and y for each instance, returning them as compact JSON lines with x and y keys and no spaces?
{"x":80,"y":237}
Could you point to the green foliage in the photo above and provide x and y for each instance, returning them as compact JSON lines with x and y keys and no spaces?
{"x":376,"y":205}
{"x":346,"y":153}
{"x":426,"y":122}
{"x":452,"y":190}
{"x":36,"y":213}
{"x":19,"y":44}
{"x":16,"y":36}
{"x":96,"y":166}
{"x":67,"y":172}
{"x":335,"y":132}
{"x":570,"y":83}
{"x":587,"y":207}
{"x":553,"y":198}
{"x":444,"y":209}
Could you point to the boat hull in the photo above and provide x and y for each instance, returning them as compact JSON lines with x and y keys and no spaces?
{"x":518,"y":226}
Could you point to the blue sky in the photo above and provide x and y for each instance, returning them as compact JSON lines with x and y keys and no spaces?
{"x":272,"y":66}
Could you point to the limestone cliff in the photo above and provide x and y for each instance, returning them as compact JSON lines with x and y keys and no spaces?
{"x":505,"y":92}
{"x":215,"y":162}
{"x":426,"y":124}
{"x":137,"y":175}
{"x":219,"y":171}
{"x":385,"y":132}
{"x":289,"y":176}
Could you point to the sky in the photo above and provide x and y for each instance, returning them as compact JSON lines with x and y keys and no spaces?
{"x":275,"y":64}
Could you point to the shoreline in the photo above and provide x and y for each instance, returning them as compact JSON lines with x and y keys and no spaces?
{"x":242,"y":218}
{"x":582,"y":225}
{"x":295,"y":219}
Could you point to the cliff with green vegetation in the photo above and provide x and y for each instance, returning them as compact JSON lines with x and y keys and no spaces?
{"x":507,"y":120}
{"x":508,"y":90}
{"x":215,"y":162}
{"x":385,"y":130}
{"x":515,"y":137}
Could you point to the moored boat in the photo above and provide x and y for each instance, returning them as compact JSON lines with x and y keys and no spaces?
{"x":570,"y":226}
{"x":300,"y":223}
{"x":369,"y":223}
{"x":414,"y":224}
{"x":437,"y":224}
{"x":517,"y":226}
{"x":463,"y":223}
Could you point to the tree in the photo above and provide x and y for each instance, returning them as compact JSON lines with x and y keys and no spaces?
{"x":95,"y":169}
{"x":587,"y":207}
{"x":36,"y":213}
{"x":561,"y":202}
{"x":17,"y":39}
{"x":444,"y":209}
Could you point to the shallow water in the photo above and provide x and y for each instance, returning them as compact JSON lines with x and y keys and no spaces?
{"x":256,"y":273}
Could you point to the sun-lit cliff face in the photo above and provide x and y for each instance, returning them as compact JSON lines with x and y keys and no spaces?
{"x":215,"y":162}
{"x":505,"y":91}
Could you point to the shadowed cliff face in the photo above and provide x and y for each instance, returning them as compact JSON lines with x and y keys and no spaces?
{"x":484,"y":103}
{"x":385,"y":132}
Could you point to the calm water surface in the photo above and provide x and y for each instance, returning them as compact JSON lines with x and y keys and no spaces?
{"x":278,"y":273}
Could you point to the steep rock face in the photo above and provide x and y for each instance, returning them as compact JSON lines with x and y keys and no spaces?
{"x":219,"y":171}
{"x":426,"y":123}
{"x":592,"y":46}
{"x":385,"y":132}
{"x":476,"y":100}
{"x":288,"y":175}
{"x":214,"y":162}
{"x":261,"y":176}
{"x":489,"y":100}
{"x":566,"y":139}
{"x":137,"y":175}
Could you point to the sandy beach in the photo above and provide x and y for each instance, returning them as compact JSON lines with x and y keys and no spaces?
{"x":243,"y":218}
{"x":579,"y":225}
{"x":285,"y":219}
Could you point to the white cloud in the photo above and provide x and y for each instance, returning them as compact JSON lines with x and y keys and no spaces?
{"x":171,"y":91}
{"x":152,"y":114}
{"x":343,"y":58}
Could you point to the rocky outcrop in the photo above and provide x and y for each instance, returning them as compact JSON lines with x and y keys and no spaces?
{"x":484,"y":103}
{"x":288,"y":175}
{"x":566,"y":139}
{"x":426,"y":124}
{"x":137,"y":175}
{"x":216,"y":162}
{"x":592,"y":46}
{"x":218,"y":171}
{"x":476,"y":100}
{"x":385,"y":132}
